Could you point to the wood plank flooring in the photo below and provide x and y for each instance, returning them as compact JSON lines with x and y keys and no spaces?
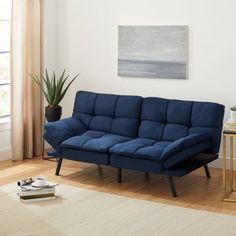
{"x":194,"y":190}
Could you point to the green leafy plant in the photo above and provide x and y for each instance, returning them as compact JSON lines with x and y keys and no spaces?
{"x":233,"y":108}
{"x":53,"y":87}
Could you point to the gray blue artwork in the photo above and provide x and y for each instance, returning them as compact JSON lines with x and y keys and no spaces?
{"x":153,"y":51}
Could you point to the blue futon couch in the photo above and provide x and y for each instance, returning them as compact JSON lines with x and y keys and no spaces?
{"x":153,"y":135}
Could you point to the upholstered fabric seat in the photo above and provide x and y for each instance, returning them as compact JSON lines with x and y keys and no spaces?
{"x":162,"y":151}
{"x":142,"y":148}
{"x":96,"y":141}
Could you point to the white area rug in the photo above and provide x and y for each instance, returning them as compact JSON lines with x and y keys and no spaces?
{"x":84,"y":212}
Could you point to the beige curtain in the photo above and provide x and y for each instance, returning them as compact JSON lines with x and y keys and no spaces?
{"x":26,"y":59}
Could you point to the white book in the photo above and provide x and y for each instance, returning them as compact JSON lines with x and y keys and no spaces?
{"x":229,"y":122}
{"x":229,"y":127}
{"x":31,"y":187}
{"x":38,"y":199}
{"x":34,"y":192}
{"x":230,"y":131}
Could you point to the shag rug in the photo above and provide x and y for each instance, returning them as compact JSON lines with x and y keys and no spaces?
{"x":78,"y":211}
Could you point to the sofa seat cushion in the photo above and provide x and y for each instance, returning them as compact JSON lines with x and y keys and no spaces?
{"x":94,"y":141}
{"x":142,"y":148}
{"x":165,"y":152}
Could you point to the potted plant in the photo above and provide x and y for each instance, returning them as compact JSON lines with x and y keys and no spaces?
{"x":54,"y":89}
{"x":233,"y":113}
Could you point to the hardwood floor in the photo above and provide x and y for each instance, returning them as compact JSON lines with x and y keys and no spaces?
{"x":194,"y":190}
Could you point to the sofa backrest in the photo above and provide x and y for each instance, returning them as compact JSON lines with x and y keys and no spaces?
{"x":169,"y":120}
{"x":151,"y":117}
{"x":108,"y":113}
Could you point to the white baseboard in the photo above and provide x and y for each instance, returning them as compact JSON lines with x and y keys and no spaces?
{"x":5,"y":154}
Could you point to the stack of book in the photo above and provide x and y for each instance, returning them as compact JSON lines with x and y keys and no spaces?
{"x":230,"y":127}
{"x":28,"y":193}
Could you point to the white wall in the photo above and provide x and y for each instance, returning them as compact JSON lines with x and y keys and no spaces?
{"x":71,"y":54}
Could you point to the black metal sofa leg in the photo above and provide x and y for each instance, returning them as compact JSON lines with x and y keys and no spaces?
{"x":172,"y":186}
{"x":119,"y":175}
{"x":208,"y":175}
{"x":58,"y":165}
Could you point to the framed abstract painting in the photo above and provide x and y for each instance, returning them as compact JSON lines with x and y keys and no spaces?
{"x":153,"y":51}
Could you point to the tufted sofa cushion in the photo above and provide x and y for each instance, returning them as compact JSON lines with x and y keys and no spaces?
{"x":141,"y":148}
{"x":163,"y":151}
{"x":108,"y":113}
{"x":184,"y":143}
{"x":94,"y":141}
{"x":170,"y":120}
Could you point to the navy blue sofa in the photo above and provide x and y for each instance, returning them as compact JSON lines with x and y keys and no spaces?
{"x":153,"y":135}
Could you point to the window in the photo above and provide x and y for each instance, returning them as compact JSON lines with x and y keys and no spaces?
{"x":5,"y":35}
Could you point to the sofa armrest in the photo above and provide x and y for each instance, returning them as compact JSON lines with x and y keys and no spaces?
{"x":184,"y":143}
{"x":57,"y":132}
